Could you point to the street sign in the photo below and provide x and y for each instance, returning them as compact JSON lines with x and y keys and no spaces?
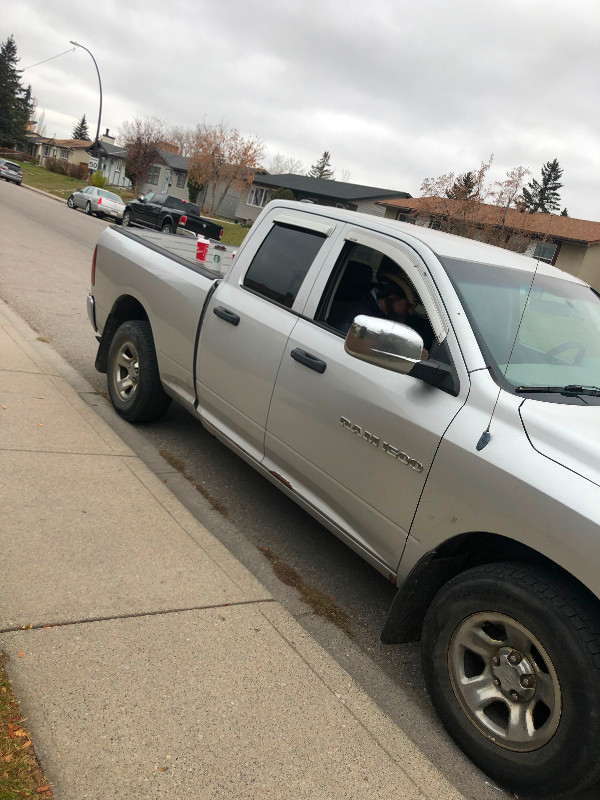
{"x":93,"y":163}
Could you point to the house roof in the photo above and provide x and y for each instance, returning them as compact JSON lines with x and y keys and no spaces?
{"x":73,"y":144}
{"x":112,"y":149}
{"x":321,"y":187}
{"x":557,"y":227}
{"x":174,"y":161}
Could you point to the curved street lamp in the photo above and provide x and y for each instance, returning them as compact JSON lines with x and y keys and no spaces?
{"x":95,"y":145}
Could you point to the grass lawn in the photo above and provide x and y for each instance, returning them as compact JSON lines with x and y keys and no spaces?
{"x":20,"y":773}
{"x":63,"y":186}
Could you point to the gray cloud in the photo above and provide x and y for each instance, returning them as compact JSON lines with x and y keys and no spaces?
{"x":397,"y":91}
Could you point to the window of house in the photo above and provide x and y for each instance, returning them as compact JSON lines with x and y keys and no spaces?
{"x":258,"y":197}
{"x":54,"y":151}
{"x":64,"y":153}
{"x":545,"y":251}
{"x":180,"y":180}
{"x":153,"y":176}
{"x":281,"y":263}
{"x":46,"y":150}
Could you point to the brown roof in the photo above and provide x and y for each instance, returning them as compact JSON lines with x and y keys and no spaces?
{"x":74,"y":143}
{"x":557,"y":227}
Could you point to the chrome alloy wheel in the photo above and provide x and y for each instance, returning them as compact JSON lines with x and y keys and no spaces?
{"x":126,"y":371}
{"x":504,"y":681}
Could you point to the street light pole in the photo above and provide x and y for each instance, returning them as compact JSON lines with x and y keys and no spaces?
{"x":96,"y":142}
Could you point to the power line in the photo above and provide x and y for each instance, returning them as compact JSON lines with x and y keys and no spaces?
{"x":71,"y":50}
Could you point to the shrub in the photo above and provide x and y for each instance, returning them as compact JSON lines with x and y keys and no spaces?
{"x":78,"y":171}
{"x":15,"y":155}
{"x":98,"y":179}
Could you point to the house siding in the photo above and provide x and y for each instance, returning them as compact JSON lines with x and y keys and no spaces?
{"x":370,"y":207}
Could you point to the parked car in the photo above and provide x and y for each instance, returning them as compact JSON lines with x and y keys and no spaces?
{"x":11,"y":171}
{"x":97,"y":201}
{"x":458,"y":451}
{"x":167,"y":213}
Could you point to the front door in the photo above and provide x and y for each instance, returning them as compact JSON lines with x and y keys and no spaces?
{"x":354,"y":439}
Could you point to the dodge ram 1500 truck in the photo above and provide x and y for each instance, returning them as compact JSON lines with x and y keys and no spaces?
{"x":466,"y":471}
{"x":167,"y":213}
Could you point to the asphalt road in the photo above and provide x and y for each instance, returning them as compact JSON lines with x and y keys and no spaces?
{"x":45,"y":258}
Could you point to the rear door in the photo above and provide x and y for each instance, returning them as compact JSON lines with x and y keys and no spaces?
{"x":354,"y":439}
{"x":249,"y":320}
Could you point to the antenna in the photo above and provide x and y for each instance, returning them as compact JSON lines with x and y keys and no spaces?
{"x":486,"y":435}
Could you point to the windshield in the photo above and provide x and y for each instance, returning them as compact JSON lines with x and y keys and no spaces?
{"x":547,"y":337}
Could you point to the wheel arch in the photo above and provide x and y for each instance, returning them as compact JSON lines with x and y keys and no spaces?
{"x":458,"y":554}
{"x":126,"y":308}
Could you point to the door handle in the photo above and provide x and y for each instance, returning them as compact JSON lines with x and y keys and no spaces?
{"x":227,"y":315}
{"x":310,"y":361}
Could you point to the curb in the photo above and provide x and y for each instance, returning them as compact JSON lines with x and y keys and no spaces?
{"x":46,"y":194}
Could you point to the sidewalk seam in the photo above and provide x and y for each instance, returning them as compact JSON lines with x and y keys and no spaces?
{"x":138,"y":615}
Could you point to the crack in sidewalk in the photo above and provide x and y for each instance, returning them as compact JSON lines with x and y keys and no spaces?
{"x":41,"y":626}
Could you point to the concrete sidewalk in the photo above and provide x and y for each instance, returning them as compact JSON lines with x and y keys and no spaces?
{"x":154,"y":665}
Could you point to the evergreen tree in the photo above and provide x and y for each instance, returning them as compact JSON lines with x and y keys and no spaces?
{"x":322,"y":169}
{"x":564,"y":213}
{"x":15,"y":102}
{"x":544,"y":196}
{"x":80,"y":131}
{"x":464,"y":187}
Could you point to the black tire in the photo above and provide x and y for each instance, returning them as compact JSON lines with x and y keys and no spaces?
{"x":88,"y":208}
{"x":133,"y":379}
{"x":126,"y":218}
{"x":542,"y":740}
{"x":167,"y":227}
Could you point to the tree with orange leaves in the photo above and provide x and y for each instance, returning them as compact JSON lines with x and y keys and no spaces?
{"x":223,"y":159}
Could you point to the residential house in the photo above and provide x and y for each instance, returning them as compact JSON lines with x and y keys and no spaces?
{"x":316,"y":190}
{"x":572,"y":245}
{"x":168,"y":174}
{"x":112,"y":159}
{"x":73,"y":151}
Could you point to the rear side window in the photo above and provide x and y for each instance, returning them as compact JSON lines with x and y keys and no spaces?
{"x":281,"y":263}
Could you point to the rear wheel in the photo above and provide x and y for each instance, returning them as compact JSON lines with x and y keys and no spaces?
{"x":88,"y":208}
{"x":133,"y":379}
{"x":511,"y":656}
{"x":167,"y":228}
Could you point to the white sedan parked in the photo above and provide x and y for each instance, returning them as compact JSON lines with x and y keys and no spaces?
{"x":97,"y":201}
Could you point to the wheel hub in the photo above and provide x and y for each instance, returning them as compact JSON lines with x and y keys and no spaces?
{"x":514,"y":674}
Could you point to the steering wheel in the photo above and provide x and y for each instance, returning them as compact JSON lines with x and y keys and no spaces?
{"x":562,"y":348}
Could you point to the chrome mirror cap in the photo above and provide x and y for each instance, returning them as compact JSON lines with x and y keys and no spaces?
{"x":385,"y":343}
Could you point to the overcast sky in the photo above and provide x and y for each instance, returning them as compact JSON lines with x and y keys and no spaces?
{"x":397,"y":91}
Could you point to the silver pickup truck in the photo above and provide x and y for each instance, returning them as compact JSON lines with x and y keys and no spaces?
{"x":457,"y":450}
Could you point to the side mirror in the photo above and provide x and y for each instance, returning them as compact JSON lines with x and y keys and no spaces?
{"x":141,"y":198}
{"x":394,"y":346}
{"x":384,"y":343}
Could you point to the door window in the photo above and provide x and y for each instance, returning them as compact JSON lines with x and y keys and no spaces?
{"x":366,"y":281}
{"x":281,"y":263}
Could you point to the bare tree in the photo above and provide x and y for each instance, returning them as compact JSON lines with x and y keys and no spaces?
{"x":346,"y":175}
{"x":223,"y":159}
{"x":285,"y":165}
{"x":456,"y":212}
{"x":467,"y":206}
{"x":141,"y":137}
{"x":184,"y":138}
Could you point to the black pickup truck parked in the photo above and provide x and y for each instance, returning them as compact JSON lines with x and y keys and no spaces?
{"x":166,"y":213}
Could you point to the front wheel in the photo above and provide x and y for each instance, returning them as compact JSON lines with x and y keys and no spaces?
{"x":511,"y":657}
{"x":127,"y":219}
{"x":133,"y":379}
{"x":71,"y":202}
